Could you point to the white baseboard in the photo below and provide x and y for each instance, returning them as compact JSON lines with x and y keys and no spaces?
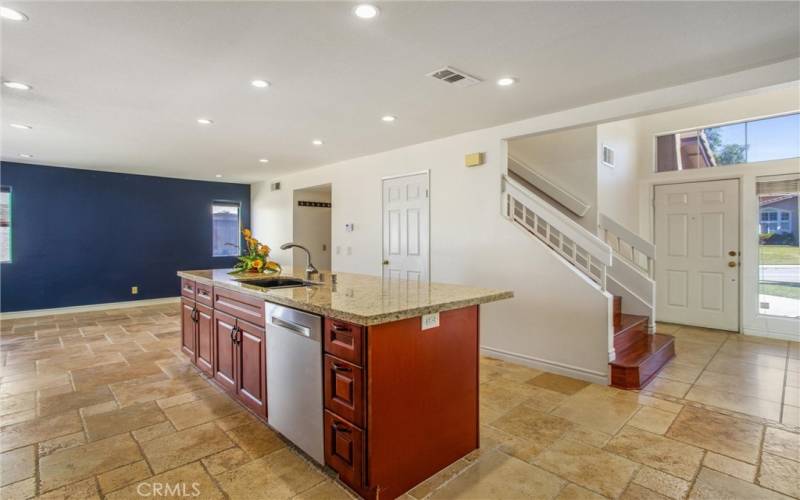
{"x":771,"y":335}
{"x":89,"y":308}
{"x":549,"y":366}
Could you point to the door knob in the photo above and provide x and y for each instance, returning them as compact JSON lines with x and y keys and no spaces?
{"x":731,"y":264}
{"x":385,"y":262}
{"x":732,"y":253}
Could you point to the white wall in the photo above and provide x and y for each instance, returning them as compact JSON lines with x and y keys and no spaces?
{"x":567,"y":158}
{"x":556,"y":318}
{"x":618,"y":187}
{"x":311,"y":227}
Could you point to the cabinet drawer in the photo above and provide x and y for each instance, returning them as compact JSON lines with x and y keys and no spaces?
{"x":344,"y":389}
{"x":344,"y":449}
{"x":188,"y":288}
{"x":344,"y":340}
{"x":240,"y":305}
{"x":203,"y":293}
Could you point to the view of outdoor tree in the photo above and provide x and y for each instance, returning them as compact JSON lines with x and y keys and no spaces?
{"x":726,"y":154}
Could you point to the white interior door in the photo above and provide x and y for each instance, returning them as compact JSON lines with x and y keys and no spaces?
{"x":697,"y":254}
{"x":406,"y":226}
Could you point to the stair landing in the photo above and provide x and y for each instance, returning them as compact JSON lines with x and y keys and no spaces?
{"x":639,"y":355}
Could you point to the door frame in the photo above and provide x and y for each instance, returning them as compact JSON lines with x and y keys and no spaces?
{"x":740,"y":214}
{"x":427,"y":173}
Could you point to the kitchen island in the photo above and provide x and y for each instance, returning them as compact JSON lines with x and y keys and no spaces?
{"x":398,"y":363}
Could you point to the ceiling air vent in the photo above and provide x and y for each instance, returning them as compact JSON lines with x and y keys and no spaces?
{"x":275,"y":186}
{"x":455,"y":77}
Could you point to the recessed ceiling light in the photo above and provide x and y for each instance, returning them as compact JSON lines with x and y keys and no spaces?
{"x":21,"y":126}
{"x":366,"y":11}
{"x":204,"y":121}
{"x":263,"y":160}
{"x":506,"y":81}
{"x":218,"y":176}
{"x":388,"y":118}
{"x":25,"y":155}
{"x":261,"y":84}
{"x":317,"y":142}
{"x":12,"y":15}
{"x":17,"y":85}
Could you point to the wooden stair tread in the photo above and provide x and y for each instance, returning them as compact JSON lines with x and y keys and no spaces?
{"x":641,"y":351}
{"x":629,"y":321}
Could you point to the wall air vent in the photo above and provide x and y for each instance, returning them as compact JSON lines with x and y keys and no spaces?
{"x":454,"y":77}
{"x":275,"y":186}
{"x":608,"y":156}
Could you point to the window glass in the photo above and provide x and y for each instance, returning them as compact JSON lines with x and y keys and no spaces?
{"x":779,"y":253}
{"x":226,"y":226}
{"x":5,"y":224}
{"x":773,"y":138}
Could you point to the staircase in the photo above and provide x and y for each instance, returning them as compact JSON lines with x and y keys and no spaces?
{"x":619,"y":265}
{"x":640,"y":355}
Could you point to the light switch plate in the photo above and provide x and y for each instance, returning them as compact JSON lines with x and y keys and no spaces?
{"x":430,"y":321}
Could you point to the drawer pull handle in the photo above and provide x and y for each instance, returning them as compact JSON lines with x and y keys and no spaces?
{"x":203,"y":293}
{"x":340,"y":368}
{"x":341,"y":428}
{"x":337,"y":328}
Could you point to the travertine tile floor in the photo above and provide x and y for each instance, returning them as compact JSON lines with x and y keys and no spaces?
{"x":104,"y":405}
{"x":750,"y":375}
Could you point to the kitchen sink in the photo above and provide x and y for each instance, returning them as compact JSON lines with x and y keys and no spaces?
{"x":279,"y":282}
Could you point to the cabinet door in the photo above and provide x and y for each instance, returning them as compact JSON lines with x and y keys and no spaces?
{"x":205,"y":339}
{"x":344,"y":389}
{"x":224,"y":351}
{"x":344,"y":449}
{"x":251,"y":380}
{"x":188,"y":329}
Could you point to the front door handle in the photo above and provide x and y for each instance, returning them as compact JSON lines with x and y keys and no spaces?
{"x":731,"y":264}
{"x":385,"y":262}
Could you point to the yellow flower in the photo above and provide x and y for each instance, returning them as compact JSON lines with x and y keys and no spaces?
{"x":247,"y":233}
{"x":257,"y":264}
{"x":264,"y":249}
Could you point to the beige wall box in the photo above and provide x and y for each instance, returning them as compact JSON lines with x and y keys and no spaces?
{"x":474,"y":159}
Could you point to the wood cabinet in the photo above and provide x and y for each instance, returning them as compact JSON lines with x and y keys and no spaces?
{"x":188,"y":328}
{"x":251,"y":367}
{"x":240,"y":361}
{"x":223,"y":334}
{"x":401,"y":403}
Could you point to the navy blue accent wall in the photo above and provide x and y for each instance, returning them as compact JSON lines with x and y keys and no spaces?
{"x":85,"y":237}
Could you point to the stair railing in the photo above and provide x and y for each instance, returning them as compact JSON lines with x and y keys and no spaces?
{"x":579,"y":246}
{"x":629,"y":246}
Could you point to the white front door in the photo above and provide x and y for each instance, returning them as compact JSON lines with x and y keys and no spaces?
{"x":697,"y":254}
{"x":406,"y":228}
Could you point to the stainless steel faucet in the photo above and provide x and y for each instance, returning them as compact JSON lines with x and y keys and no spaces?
{"x":310,"y":269}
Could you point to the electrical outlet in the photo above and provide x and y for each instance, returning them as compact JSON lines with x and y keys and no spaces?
{"x":338,"y":250}
{"x":134,"y":290}
{"x":349,"y":250}
{"x":430,"y":321}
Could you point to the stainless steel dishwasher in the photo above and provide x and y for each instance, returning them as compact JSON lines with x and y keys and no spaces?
{"x":294,"y":377}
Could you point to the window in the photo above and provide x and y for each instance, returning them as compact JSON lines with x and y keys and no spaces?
{"x":226,"y":229}
{"x":775,"y":138}
{"x":5,"y":224}
{"x":775,"y":220}
{"x":779,"y":253}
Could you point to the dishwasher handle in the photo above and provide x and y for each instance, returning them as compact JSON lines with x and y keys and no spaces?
{"x":294,"y":327}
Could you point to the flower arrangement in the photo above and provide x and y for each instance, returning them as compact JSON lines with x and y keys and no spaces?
{"x":256,"y":260}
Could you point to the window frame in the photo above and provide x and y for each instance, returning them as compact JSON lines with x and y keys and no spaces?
{"x":699,"y":128}
{"x":230,"y":203}
{"x":779,"y":220}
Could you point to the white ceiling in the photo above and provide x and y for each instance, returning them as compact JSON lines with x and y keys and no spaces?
{"x":118,"y":85}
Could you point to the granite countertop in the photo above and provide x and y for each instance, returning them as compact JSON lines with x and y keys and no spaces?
{"x":356,"y":298}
